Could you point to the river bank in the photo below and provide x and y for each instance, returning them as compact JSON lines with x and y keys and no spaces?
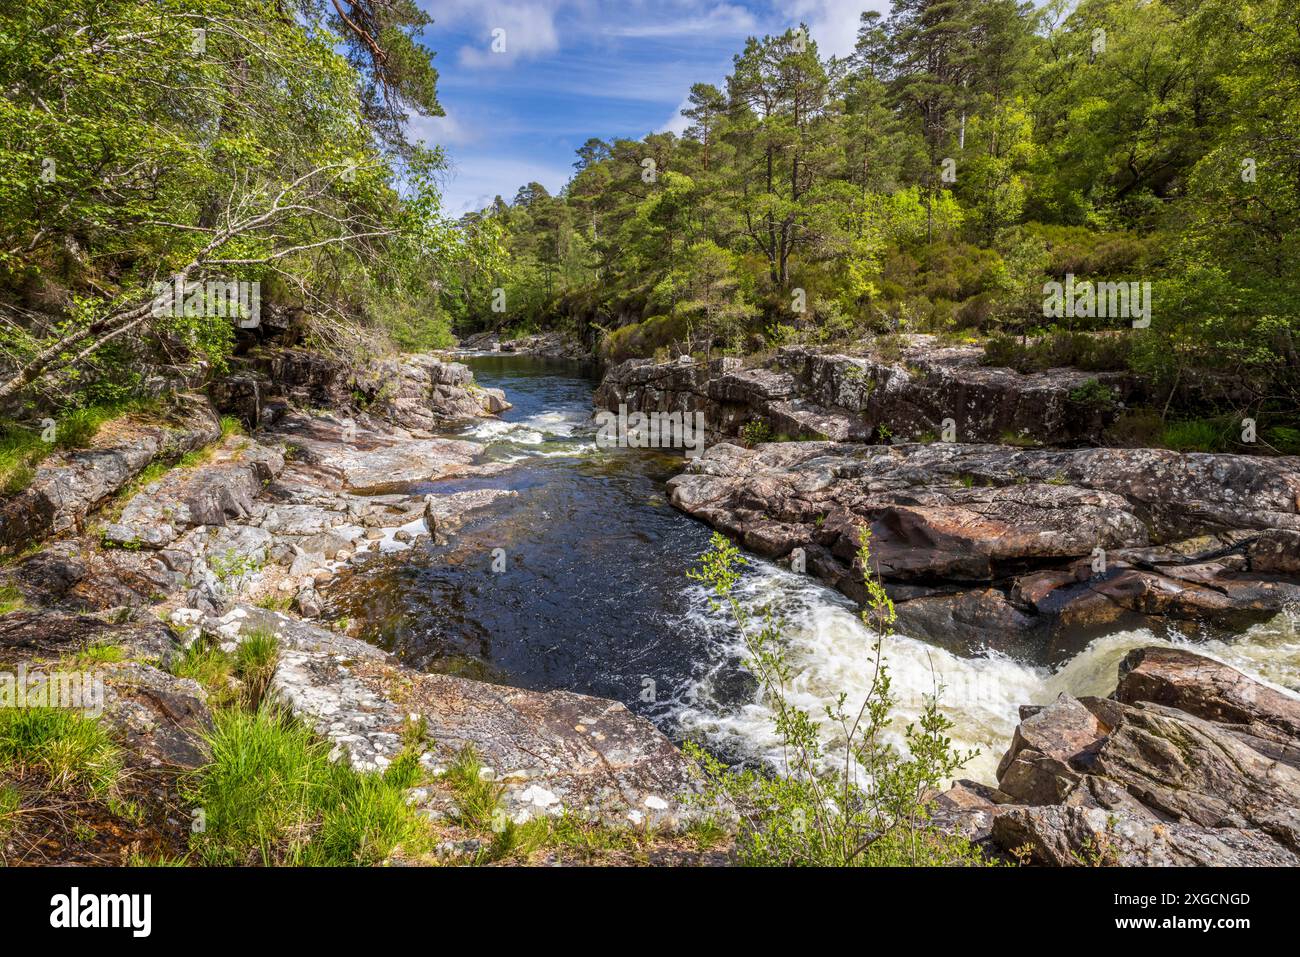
{"x":367,"y":548}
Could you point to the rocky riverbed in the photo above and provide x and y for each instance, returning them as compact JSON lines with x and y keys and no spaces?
{"x":170,"y":531}
{"x":1019,"y":533}
{"x":242,"y":536}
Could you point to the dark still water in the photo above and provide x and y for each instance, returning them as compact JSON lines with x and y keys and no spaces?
{"x":593,"y":597}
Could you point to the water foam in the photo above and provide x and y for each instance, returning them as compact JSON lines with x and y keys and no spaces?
{"x":830,"y":650}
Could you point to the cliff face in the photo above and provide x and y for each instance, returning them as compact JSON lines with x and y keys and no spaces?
{"x":928,"y":390}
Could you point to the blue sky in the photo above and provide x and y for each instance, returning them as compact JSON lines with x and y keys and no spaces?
{"x":578,"y":68}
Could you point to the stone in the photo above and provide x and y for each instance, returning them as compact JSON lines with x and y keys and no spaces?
{"x":1205,"y":688}
{"x":1207,"y":773}
{"x":69,"y":485}
{"x":995,"y":540}
{"x":1050,"y":750}
{"x":1081,"y":837}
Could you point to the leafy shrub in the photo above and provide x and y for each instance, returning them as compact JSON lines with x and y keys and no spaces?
{"x":1093,"y":393}
{"x":756,"y":431}
{"x":865,"y":803}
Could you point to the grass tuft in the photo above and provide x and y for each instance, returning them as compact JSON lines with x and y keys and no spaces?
{"x":11,"y":599}
{"x":272,"y":796}
{"x":255,"y":662}
{"x":69,"y":749}
{"x":478,"y":798}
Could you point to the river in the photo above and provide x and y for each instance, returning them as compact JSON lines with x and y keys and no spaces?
{"x":579,"y":583}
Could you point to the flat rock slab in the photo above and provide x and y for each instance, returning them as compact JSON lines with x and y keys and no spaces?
{"x":976,"y":541}
{"x":1205,"y":688}
{"x":369,"y":459}
{"x":551,"y":751}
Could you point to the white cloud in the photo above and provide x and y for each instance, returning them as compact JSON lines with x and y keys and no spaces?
{"x":677,"y":123}
{"x":476,"y":180}
{"x":440,"y":130}
{"x":833,"y":23}
{"x":724,"y":18}
{"x":526,"y":30}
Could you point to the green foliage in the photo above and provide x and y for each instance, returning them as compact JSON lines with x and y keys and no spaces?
{"x":230,"y":566}
{"x":11,"y":800}
{"x":65,"y":747}
{"x":1058,"y":349}
{"x":98,"y":653}
{"x":1194,"y":435}
{"x":11,"y":599}
{"x":22,"y":449}
{"x":756,"y":432}
{"x":270,"y":149}
{"x":1093,"y":393}
{"x":271,"y":795}
{"x":860,"y":802}
{"x":211,"y":667}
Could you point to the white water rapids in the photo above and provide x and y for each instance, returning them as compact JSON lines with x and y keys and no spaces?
{"x":830,"y":651}
{"x":827,"y":645}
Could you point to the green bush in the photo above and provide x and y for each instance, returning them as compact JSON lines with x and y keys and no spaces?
{"x":756,"y":432}
{"x":863,"y":803}
{"x":1093,"y":393}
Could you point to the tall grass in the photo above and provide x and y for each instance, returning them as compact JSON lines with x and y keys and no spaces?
{"x":271,"y":795}
{"x":67,"y":748}
{"x":255,"y":662}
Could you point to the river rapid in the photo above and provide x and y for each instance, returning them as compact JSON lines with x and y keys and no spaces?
{"x":578,"y":582}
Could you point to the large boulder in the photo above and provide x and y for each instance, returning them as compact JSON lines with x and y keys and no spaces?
{"x":1190,"y":762}
{"x":423,"y":391}
{"x":976,"y":541}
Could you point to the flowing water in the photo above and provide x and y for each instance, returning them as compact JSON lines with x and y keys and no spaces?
{"x":592,"y":596}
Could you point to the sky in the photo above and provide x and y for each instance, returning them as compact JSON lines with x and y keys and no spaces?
{"x":573,"y":69}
